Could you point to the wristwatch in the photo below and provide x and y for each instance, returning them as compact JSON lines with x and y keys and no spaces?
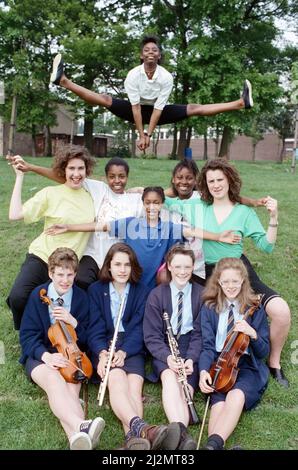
{"x":146,"y":133}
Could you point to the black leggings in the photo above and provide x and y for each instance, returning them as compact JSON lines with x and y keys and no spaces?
{"x":33,"y":272}
{"x":171,"y":112}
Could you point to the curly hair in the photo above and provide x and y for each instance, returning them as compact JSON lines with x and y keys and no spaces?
{"x":231,"y":174}
{"x":213,"y":294}
{"x":136,"y":270}
{"x":191,"y":166}
{"x":65,"y":153}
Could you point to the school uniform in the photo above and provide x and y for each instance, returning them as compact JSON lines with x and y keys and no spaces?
{"x":160,"y":300}
{"x":37,"y":320}
{"x":253,"y":375}
{"x":103,"y":315}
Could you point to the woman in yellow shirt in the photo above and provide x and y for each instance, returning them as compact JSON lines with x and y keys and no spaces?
{"x":69,"y":201}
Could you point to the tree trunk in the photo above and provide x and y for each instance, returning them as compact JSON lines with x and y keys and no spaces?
{"x":155,"y":142}
{"x":174,"y":147}
{"x":33,"y":136}
{"x":133,"y":141}
{"x":205,"y":155}
{"x":282,"y":152}
{"x":188,"y":137}
{"x":48,"y":142}
{"x":225,"y":143}
{"x":182,"y":143}
{"x":88,"y":131}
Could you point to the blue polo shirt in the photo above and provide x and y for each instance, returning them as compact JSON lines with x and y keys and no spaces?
{"x":150,"y":244}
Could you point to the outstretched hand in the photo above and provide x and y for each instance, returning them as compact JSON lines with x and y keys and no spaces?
{"x":56,"y":229}
{"x":18,"y":163}
{"x":228,"y":236}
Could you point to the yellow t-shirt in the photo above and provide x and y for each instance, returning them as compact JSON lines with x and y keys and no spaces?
{"x":59,"y":205}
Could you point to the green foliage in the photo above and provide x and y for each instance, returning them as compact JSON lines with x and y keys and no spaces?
{"x":24,"y":412}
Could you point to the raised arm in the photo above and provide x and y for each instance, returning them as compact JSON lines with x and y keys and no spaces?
{"x":57,"y":229}
{"x":271,"y":206}
{"x":20,"y":164}
{"x":16,"y":206}
{"x":144,"y":140}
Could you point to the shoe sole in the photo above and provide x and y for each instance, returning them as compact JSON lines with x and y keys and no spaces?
{"x":96,"y":428}
{"x":56,"y":63}
{"x":188,"y":444}
{"x":81,"y":442}
{"x":138,"y":443}
{"x":173,"y":437}
{"x":250,"y":99}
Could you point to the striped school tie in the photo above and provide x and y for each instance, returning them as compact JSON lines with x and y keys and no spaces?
{"x":231,"y":322}
{"x":179,"y":315}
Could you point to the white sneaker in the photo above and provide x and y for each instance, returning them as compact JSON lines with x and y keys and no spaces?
{"x":93,"y":428}
{"x":80,"y":441}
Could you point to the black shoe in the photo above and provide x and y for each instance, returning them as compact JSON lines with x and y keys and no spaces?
{"x":186,"y":441}
{"x":279,"y":376}
{"x":247,"y":95}
{"x":57,"y":70}
{"x":171,"y":442}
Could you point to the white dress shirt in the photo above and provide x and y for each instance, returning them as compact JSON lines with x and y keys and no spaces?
{"x":142,"y":90}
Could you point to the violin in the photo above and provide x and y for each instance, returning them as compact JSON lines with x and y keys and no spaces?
{"x":64,"y":338}
{"x":224,"y":371}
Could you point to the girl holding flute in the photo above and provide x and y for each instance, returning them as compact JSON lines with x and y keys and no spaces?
{"x":118,"y":292}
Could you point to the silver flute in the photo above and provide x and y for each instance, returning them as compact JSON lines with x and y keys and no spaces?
{"x":111,"y":351}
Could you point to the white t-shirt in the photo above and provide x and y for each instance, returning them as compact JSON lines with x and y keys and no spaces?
{"x":109,"y":206}
{"x":196,"y":244}
{"x":141,"y":90}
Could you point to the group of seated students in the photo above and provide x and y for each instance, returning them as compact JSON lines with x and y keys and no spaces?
{"x":88,"y":278}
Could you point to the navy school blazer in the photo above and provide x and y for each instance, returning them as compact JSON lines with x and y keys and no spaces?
{"x":154,"y":327}
{"x":258,"y":349}
{"x":36,"y":322}
{"x":101,"y":326}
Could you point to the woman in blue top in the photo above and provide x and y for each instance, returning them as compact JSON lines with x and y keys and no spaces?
{"x":227,"y":297}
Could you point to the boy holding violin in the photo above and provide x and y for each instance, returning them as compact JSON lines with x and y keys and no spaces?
{"x":231,"y":309}
{"x":51,"y":306}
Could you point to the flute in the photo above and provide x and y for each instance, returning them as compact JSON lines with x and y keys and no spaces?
{"x":182,"y":377}
{"x":111,"y":351}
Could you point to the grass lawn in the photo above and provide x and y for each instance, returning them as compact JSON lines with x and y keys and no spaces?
{"x":24,"y":412}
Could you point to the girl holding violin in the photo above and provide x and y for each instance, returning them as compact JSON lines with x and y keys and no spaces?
{"x":227,"y":297}
{"x":118,"y":292}
{"x":60,"y":302}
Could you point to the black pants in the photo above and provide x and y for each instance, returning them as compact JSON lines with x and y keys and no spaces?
{"x":87,"y":272}
{"x":170,"y":113}
{"x":33,"y":272}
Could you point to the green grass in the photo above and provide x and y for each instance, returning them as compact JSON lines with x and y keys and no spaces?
{"x":24,"y":413}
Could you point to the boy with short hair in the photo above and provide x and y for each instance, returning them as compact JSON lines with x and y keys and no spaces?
{"x":42,"y":362}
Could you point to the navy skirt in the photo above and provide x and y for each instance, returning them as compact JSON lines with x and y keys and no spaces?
{"x":30,"y":364}
{"x":159,"y":366}
{"x":132,"y":365}
{"x":247,"y":381}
